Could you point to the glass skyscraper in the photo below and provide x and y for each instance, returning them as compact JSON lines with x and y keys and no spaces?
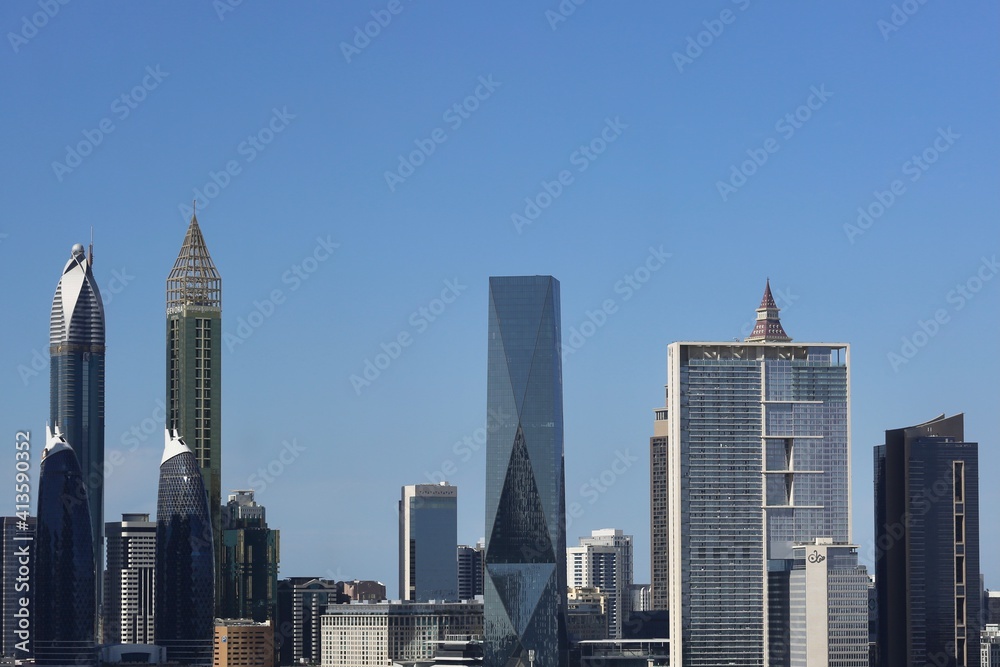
{"x":76,"y":379}
{"x":64,"y":618}
{"x":184,"y":597}
{"x":250,"y":555}
{"x":194,"y":374}
{"x":525,"y":611}
{"x":751,"y":456}
{"x":428,"y":536}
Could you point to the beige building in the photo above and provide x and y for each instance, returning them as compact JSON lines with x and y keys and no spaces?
{"x":243,"y":643}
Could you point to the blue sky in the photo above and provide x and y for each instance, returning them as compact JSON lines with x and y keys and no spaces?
{"x":739,"y":138}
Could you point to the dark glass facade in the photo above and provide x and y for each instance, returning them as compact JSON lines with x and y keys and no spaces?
{"x":76,"y":380}
{"x":927,"y":546}
{"x":15,"y":581}
{"x":185,"y":560}
{"x":250,"y":555}
{"x":65,"y":614}
{"x":428,"y":533}
{"x":525,"y":587}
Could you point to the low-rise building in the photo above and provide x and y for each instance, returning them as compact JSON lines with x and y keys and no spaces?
{"x":243,"y":643}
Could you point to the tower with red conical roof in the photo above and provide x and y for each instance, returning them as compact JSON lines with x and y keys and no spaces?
{"x":768,"y":328}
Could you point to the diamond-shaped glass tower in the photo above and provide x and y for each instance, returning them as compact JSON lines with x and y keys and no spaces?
{"x":525,"y":611}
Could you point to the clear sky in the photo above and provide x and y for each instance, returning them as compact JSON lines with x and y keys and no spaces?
{"x":660,"y":159}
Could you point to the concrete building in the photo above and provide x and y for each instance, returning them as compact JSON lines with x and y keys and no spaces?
{"x":302,"y":601}
{"x":586,"y":614}
{"x":604,"y":561}
{"x":363,"y":635}
{"x":471,"y":570}
{"x":129,"y":580}
{"x":243,"y":643}
{"x":990,"y":646}
{"x":428,"y":533}
{"x":991,"y":607}
{"x":360,"y":591}
{"x":640,"y":597}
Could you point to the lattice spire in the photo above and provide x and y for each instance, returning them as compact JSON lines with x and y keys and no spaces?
{"x":194,"y":280}
{"x":768,"y":328}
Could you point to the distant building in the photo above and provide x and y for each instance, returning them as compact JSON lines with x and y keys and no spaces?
{"x":64,"y":618}
{"x":302,"y":601}
{"x":129,"y":580}
{"x":184,"y":595}
{"x":428,"y":531}
{"x":990,"y":646}
{"x":604,"y":561}
{"x":927,"y":539}
{"x":243,"y":643}
{"x":640,"y":597}
{"x":133,"y":654}
{"x":250,"y":560}
{"x":586,"y":614}
{"x":991,"y":607}
{"x":360,"y":591}
{"x":471,"y":570}
{"x":377,"y":634}
{"x":14,"y":565}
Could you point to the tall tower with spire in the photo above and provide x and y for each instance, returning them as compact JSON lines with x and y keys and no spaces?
{"x":76,"y":381}
{"x":194,"y":355}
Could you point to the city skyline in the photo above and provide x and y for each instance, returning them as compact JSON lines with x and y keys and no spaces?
{"x":354,"y":263}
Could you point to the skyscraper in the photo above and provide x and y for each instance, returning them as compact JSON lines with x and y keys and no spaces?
{"x":194,"y":374}
{"x":525,"y":610}
{"x":604,"y":561}
{"x":185,"y":561}
{"x":428,"y":536}
{"x":129,"y":580}
{"x":751,"y":457}
{"x":927,"y":545}
{"x":250,"y":555}
{"x":65,"y":614}
{"x":76,"y":380}
{"x":471,"y":569}
{"x":15,"y":582}
{"x":302,"y":601}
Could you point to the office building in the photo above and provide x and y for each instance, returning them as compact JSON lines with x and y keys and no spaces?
{"x":991,"y":607}
{"x":184,"y":595}
{"x":355,"y":635}
{"x":471,"y":570}
{"x":640,"y":597}
{"x":243,"y":643}
{"x":525,"y":593}
{"x":64,"y":618}
{"x":76,"y":382}
{"x":360,"y":591}
{"x":194,"y":366}
{"x":604,"y":561}
{"x":750,"y":456}
{"x":129,"y":580}
{"x":927,"y":545}
{"x":250,"y":558}
{"x":586,"y":614}
{"x":302,"y":601}
{"x":15,"y":582}
{"x":990,"y":646}
{"x":428,"y":533}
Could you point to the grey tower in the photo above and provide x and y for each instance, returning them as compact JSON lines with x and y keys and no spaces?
{"x":76,"y":379}
{"x":428,"y":530}
{"x":525,"y":587}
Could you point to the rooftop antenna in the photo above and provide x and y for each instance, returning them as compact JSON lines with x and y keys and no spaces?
{"x":92,"y":245}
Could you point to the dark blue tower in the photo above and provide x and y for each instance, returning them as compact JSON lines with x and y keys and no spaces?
{"x":65,"y":614}
{"x":76,"y":379}
{"x":525,"y":587}
{"x":185,"y":559}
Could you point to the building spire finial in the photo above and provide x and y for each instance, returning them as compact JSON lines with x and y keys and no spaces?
{"x":768,"y":328}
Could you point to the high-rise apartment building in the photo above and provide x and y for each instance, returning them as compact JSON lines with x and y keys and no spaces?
{"x":604,"y":561}
{"x":129,"y":580}
{"x":76,"y":381}
{"x":194,"y":366}
{"x":184,"y":595}
{"x":525,"y":610}
{"x":64,"y":618}
{"x":250,"y":558}
{"x":302,"y":601}
{"x":927,"y":538}
{"x":471,"y":570}
{"x":15,"y":582}
{"x":751,"y":456}
{"x":428,"y":534}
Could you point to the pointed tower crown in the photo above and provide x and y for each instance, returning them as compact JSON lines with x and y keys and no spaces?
{"x":194,"y":281}
{"x":768,"y":328}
